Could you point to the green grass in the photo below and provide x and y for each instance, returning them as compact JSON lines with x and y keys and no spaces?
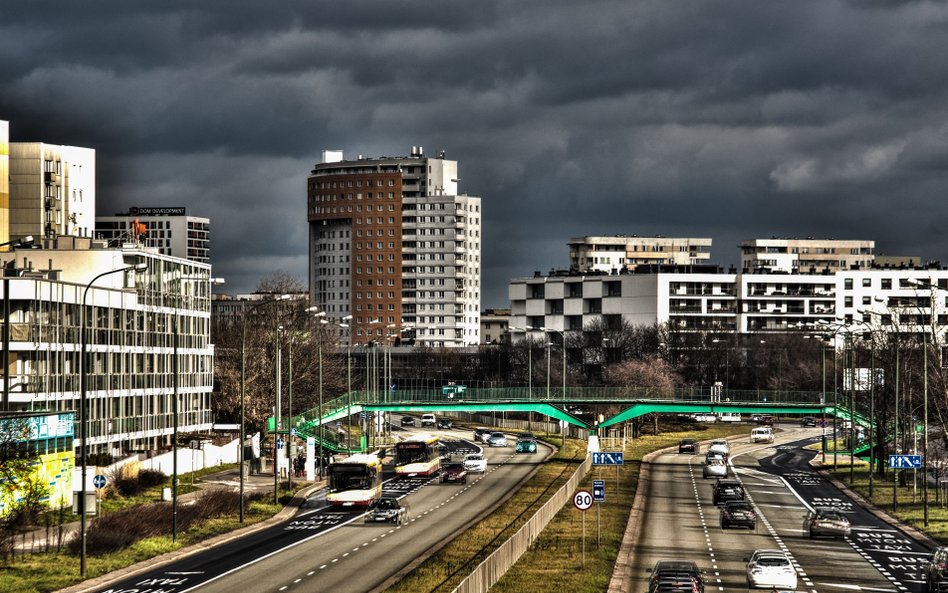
{"x":46,"y":572}
{"x":910,"y":508}
{"x":553,"y":563}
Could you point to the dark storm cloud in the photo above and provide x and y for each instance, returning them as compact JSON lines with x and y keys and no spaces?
{"x":730,"y":120}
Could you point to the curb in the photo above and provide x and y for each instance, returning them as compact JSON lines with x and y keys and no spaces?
{"x":910,"y":531}
{"x":101,"y":581}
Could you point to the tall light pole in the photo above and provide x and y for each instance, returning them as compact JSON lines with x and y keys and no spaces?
{"x":563,"y":394}
{"x":244,"y":310}
{"x":83,"y":404}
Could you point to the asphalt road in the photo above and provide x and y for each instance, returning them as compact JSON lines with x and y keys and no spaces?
{"x":322,"y":549}
{"x":781,"y":485}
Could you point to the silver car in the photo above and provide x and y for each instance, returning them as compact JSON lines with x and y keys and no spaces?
{"x":826,"y":522}
{"x":715,"y":468}
{"x":497,"y":439}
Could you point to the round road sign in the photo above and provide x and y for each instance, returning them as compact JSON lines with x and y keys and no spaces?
{"x":99,"y":481}
{"x":582,"y":500}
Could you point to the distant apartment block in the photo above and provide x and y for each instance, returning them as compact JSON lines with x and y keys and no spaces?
{"x":394,"y":245}
{"x":726,"y":303}
{"x":805,"y":256}
{"x":611,"y":254}
{"x":494,"y":325}
{"x":168,"y":229}
{"x":52,"y":191}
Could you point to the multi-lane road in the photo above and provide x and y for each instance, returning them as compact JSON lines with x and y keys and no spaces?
{"x":323,"y":549}
{"x":680,"y":522}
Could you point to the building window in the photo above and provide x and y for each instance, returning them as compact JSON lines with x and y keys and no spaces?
{"x":848,"y":283}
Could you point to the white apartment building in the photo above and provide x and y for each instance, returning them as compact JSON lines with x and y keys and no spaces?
{"x":717,"y":302}
{"x":168,"y":229}
{"x":495,"y":325}
{"x":813,"y":256}
{"x":395,"y":246}
{"x":612,"y":254}
{"x":131,"y":319}
{"x":52,"y":191}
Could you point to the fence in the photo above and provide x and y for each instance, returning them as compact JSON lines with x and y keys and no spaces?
{"x":575,"y":432}
{"x":499,"y":562}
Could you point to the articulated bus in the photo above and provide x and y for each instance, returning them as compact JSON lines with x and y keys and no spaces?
{"x":355,"y":481}
{"x":419,"y":455}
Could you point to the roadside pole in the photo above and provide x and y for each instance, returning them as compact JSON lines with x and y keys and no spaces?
{"x":582,"y":500}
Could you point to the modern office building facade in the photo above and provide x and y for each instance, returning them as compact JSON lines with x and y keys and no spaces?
{"x":133,"y":318}
{"x":813,"y":256}
{"x":612,"y":254}
{"x":52,"y":191}
{"x":168,"y":229}
{"x":395,"y":246}
{"x":907,"y":300}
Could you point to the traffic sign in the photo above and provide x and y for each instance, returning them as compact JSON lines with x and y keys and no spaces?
{"x":607,"y":458}
{"x":450,"y":390}
{"x":99,"y":481}
{"x":905,"y":461}
{"x":599,"y":491}
{"x":582,"y":500}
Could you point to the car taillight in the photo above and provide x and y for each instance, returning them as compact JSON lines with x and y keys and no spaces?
{"x":694,"y":585}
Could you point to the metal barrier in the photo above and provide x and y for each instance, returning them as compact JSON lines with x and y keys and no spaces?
{"x":499,"y":562}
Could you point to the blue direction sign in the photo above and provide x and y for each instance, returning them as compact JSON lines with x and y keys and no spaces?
{"x":599,"y":491}
{"x":905,"y":461}
{"x":99,"y":481}
{"x":606,"y":458}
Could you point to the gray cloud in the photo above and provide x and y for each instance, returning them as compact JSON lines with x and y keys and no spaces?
{"x":730,"y":120}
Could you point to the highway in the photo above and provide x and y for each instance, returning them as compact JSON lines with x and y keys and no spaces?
{"x":322,"y":549}
{"x":780,"y":483}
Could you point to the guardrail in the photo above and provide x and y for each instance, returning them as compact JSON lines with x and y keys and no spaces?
{"x":499,"y":562}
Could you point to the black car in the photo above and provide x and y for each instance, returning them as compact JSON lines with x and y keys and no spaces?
{"x":726,"y":490}
{"x":481,"y":433}
{"x":935,"y":569}
{"x":808,"y":421}
{"x":689,"y":446}
{"x":408,"y":421}
{"x":526,"y":435}
{"x":445,"y":423}
{"x":738,"y":513}
{"x":676,"y":576}
{"x":765,"y":420}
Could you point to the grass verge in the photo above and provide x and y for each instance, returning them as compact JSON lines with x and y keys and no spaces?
{"x":553,"y":563}
{"x":50,"y":571}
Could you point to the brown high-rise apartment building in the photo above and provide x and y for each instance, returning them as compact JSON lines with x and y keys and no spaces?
{"x":395,"y":247}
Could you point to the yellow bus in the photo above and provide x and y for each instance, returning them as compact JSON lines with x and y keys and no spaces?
{"x":419,"y":455}
{"x":355,"y":481}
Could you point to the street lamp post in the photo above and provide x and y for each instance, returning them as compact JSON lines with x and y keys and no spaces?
{"x":563,"y":394}
{"x":83,"y":405}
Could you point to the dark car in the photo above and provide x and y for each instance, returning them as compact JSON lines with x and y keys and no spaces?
{"x":765,"y":420}
{"x":676,"y":576}
{"x":738,"y":513}
{"x":526,"y":435}
{"x":481,"y":433}
{"x":387,"y":510}
{"x":826,"y":522}
{"x":935,"y":570}
{"x":808,"y":421}
{"x":726,"y":490}
{"x":408,"y":421}
{"x":453,"y":472}
{"x":445,"y":423}
{"x":689,"y":446}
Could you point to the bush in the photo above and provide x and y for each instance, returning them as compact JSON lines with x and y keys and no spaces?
{"x":149,"y":478}
{"x":126,"y":483}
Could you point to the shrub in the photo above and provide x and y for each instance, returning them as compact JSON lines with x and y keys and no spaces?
{"x":148,"y":478}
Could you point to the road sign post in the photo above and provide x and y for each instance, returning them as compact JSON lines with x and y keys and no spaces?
{"x":599,"y":497}
{"x":582,"y":500}
{"x":905,"y":461}
{"x":615,"y":458}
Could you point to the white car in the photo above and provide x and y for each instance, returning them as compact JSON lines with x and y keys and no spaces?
{"x":771,"y":569}
{"x":475,"y":462}
{"x":762,"y":435}
{"x":428,"y":420}
{"x":715,"y":468}
{"x":720,"y":446}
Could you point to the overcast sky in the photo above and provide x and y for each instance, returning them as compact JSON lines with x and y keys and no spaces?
{"x":730,"y":120}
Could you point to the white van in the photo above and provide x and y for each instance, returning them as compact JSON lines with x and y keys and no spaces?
{"x":428,"y":420}
{"x":762,"y":435}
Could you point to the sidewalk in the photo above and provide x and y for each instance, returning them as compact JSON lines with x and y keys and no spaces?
{"x":224,"y":480}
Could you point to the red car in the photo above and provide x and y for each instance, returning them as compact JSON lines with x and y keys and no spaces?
{"x":453,"y":472}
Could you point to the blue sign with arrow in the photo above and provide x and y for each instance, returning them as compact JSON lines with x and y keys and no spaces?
{"x":99,"y":481}
{"x":606,"y":458}
{"x":905,"y":461}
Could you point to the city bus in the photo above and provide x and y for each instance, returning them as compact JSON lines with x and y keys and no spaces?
{"x":419,"y":455}
{"x":355,"y":481}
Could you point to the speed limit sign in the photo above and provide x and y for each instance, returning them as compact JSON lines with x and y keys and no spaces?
{"x":582,"y":500}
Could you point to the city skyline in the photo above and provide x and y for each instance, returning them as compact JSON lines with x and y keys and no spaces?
{"x":728,"y":121}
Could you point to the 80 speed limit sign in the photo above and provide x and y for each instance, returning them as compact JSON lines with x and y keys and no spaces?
{"x":582,"y":500}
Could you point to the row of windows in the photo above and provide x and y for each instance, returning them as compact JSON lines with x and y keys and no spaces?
{"x":358,"y":183}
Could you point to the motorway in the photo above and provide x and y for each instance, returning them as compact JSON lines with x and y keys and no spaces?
{"x":781,"y":484}
{"x":322,"y":549}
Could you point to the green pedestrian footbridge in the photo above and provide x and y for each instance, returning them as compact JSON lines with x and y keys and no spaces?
{"x":624,"y":402}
